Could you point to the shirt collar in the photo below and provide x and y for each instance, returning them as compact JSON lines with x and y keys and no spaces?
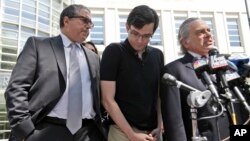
{"x":195,"y":55}
{"x":67,"y":41}
{"x":131,"y":49}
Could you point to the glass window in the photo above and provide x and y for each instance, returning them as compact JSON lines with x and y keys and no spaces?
{"x":29,"y":15}
{"x":43,"y":20}
{"x":234,"y":38}
{"x":9,"y":26}
{"x":178,"y":21}
{"x":233,"y":32}
{"x":44,"y":34}
{"x":30,"y":2}
{"x":7,"y":65}
{"x":9,"y":3}
{"x":55,"y":22}
{"x":43,"y":7}
{"x":25,"y":36}
{"x":47,"y":2}
{"x":43,"y":27}
{"x":156,"y":38}
{"x":9,"y":34}
{"x":11,"y":11}
{"x":123,"y":31}
{"x":9,"y":49}
{"x":97,"y":33}
{"x":56,"y":4}
{"x":28,"y":22}
{"x":28,"y":30}
{"x":44,"y":14}
{"x":29,"y":8}
{"x":9,"y":58}
{"x":10,"y":42}
{"x":10,"y":18}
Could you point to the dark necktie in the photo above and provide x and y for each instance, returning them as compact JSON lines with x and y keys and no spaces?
{"x":74,"y":119}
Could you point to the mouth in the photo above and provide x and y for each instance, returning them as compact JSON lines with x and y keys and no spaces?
{"x":209,"y":43}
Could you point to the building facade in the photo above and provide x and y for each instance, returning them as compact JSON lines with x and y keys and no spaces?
{"x":20,"y":19}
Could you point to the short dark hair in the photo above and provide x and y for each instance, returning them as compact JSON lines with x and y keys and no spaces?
{"x":184,"y":32}
{"x":70,"y":11}
{"x":91,"y":43}
{"x":142,"y":15}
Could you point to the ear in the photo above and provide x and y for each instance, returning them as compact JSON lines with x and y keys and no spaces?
{"x":185,"y":42}
{"x":65,"y":20}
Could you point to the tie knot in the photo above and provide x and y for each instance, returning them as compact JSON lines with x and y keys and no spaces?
{"x":73,"y":45}
{"x":73,"y":50}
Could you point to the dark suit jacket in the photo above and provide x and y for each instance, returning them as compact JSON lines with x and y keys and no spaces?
{"x":175,"y":110}
{"x":38,"y":81}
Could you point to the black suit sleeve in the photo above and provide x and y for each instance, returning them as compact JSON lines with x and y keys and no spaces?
{"x":16,"y":94}
{"x":172,"y":111}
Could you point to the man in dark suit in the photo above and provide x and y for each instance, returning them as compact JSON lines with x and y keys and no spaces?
{"x":37,"y":97}
{"x":196,"y":40}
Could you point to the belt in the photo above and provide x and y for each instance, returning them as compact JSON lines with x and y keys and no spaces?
{"x":62,"y":122}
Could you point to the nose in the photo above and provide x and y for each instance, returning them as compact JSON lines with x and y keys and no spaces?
{"x":208,"y":34}
{"x":139,"y":38}
{"x":88,"y":26}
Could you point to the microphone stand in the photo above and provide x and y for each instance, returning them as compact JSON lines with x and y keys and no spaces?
{"x":242,"y":99}
{"x":228,"y":95}
{"x":195,"y":100}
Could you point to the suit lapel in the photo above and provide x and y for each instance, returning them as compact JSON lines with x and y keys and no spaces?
{"x":187,"y":60}
{"x":57,"y":46}
{"x":91,"y":61}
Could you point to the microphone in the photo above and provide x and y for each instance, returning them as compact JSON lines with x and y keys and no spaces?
{"x":246,"y":72}
{"x":171,"y":80}
{"x":232,"y":66}
{"x":196,"y":98}
{"x":241,"y":61}
{"x":242,"y":99}
{"x":217,"y":61}
{"x":218,"y":64}
{"x":200,"y":66}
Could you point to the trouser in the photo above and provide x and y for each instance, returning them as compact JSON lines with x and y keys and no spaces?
{"x":115,"y":133}
{"x":49,"y":130}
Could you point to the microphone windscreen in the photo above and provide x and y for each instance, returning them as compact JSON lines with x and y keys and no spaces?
{"x":232,"y":66}
{"x":169,"y":79}
{"x":213,"y":51}
{"x":200,"y":65}
{"x":239,"y":59}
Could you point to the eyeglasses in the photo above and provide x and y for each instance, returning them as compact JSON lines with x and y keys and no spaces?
{"x":137,"y":35}
{"x":84,"y":20}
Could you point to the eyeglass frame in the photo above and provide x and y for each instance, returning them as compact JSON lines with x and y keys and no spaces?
{"x":84,"y":20}
{"x":137,"y":35}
